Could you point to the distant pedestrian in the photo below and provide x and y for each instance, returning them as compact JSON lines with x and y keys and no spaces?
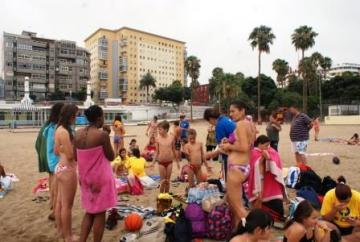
{"x":299,"y":134}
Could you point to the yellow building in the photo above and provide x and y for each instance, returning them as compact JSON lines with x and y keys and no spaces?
{"x":120,"y":58}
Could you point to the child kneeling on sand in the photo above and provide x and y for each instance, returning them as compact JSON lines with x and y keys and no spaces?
{"x":194,"y":152}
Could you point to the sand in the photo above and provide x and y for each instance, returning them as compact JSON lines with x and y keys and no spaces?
{"x":21,"y":219}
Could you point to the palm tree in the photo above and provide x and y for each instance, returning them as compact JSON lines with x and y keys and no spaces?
{"x":325,"y":65}
{"x":303,"y":38}
{"x":147,"y":81}
{"x":281,"y":67}
{"x":261,"y":38}
{"x":192,"y":67}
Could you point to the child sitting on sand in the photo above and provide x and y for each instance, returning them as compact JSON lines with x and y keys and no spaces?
{"x":132,"y":146}
{"x":137,"y":164}
{"x":120,"y":162}
{"x":164,"y":155}
{"x":149,"y":150}
{"x":194,"y":152}
{"x":255,"y":227}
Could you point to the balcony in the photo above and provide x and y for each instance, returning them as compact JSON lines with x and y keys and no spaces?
{"x":123,"y":43}
{"x":103,"y":94}
{"x":103,"y":75}
{"x":103,"y":63}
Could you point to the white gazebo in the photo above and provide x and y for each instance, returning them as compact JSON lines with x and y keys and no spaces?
{"x":26,"y":106}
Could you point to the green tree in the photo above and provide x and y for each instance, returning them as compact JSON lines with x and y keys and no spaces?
{"x":147,"y":81}
{"x":174,"y":93}
{"x":281,"y":67}
{"x":268,"y":88}
{"x":261,"y":38}
{"x":325,"y":65}
{"x":57,"y":95}
{"x":192,"y":68}
{"x":303,"y":38}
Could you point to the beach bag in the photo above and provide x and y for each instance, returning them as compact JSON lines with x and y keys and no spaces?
{"x":135,"y":186}
{"x":311,"y":179}
{"x":180,"y":231}
{"x":293,"y":205}
{"x":121,"y":186}
{"x":152,"y":230}
{"x":219,"y":223}
{"x":327,"y":184}
{"x":163,"y":202}
{"x":308,"y":193}
{"x":292,"y":177}
{"x":198,"y":219}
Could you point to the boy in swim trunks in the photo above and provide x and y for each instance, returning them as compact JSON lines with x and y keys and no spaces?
{"x":164,"y":155}
{"x":177,"y":134}
{"x":194,"y":152}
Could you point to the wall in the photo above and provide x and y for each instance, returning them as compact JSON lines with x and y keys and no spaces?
{"x":354,"y":119}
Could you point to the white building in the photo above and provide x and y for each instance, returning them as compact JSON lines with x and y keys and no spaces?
{"x":341,"y":68}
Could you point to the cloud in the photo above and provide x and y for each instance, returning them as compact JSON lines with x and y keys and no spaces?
{"x":215,"y":31}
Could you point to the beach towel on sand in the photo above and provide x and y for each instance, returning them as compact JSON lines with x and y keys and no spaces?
{"x":97,"y":183}
{"x":273,"y":178}
{"x":40,"y":146}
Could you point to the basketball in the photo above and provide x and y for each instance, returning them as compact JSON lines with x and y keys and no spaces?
{"x":133,"y":222}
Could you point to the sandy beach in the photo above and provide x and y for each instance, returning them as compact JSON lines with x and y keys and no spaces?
{"x":23,"y":220}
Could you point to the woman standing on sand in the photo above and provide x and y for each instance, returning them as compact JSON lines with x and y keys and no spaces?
{"x":119,"y":132}
{"x":45,"y":149}
{"x":65,"y":171}
{"x":152,"y":128}
{"x":97,"y":185}
{"x":237,"y":147}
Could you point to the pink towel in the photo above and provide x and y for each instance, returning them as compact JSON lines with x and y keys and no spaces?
{"x":274,"y":187}
{"x":97,"y":183}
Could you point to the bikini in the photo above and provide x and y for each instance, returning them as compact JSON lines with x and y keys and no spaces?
{"x":245,"y":169}
{"x":117,"y":139}
{"x":165,"y":164}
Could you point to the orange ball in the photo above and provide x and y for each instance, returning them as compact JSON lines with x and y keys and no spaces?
{"x":133,"y":222}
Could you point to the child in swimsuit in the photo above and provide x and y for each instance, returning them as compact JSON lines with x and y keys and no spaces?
{"x":195,"y":154}
{"x":164,"y":155}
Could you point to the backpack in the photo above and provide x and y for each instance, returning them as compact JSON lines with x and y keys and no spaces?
{"x":292,"y":177}
{"x":327,"y":184}
{"x":135,"y":186}
{"x":308,"y":193}
{"x":309,"y":178}
{"x":219,"y":222}
{"x":180,"y":231}
{"x":198,"y":218}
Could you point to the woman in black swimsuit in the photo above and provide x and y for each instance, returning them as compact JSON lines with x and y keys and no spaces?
{"x":305,"y":227}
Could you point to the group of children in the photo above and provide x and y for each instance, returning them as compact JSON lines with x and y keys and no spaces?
{"x":163,"y":148}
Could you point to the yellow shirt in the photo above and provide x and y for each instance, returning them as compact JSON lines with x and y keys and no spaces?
{"x":117,"y":161}
{"x":352,"y":209}
{"x":136,"y":166}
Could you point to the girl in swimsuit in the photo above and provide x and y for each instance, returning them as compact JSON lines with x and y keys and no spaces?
{"x":256,"y":227}
{"x":316,"y":126}
{"x":152,"y":128}
{"x":101,"y":195}
{"x":164,"y":155}
{"x":65,"y":172}
{"x":305,"y":227}
{"x":238,"y":148}
{"x":119,"y":132}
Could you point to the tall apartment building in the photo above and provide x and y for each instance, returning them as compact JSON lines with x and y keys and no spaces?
{"x":49,"y":64}
{"x":120,"y":58}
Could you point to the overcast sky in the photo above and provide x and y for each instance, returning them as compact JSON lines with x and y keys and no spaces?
{"x":215,"y":31}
